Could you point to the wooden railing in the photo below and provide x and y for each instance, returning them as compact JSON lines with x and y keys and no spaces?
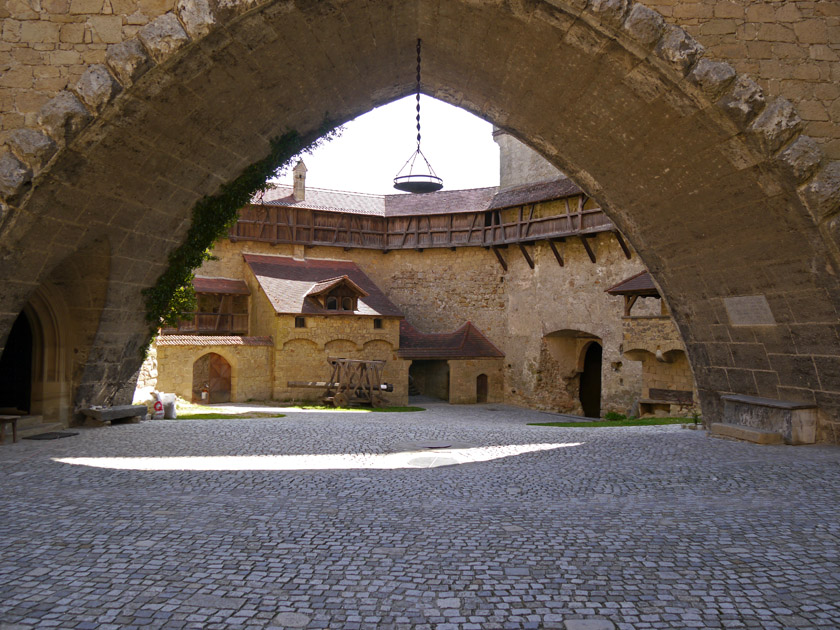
{"x":490,"y":228}
{"x":210,"y":324}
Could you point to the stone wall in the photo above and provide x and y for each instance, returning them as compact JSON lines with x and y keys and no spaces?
{"x":439,"y":289}
{"x":790,"y":46}
{"x":463,"y":376}
{"x":250,"y":370}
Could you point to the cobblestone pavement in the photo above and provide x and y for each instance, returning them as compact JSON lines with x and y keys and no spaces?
{"x":649,"y":527}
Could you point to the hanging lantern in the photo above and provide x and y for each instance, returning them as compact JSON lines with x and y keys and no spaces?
{"x":423,"y":179}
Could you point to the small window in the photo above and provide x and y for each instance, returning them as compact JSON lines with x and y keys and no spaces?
{"x":300,"y":322}
{"x":332,"y":304}
{"x":347,"y":304}
{"x":377,"y":323}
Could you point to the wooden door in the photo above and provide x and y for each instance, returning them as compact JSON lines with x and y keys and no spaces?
{"x":481,"y":388}
{"x":219,"y":379}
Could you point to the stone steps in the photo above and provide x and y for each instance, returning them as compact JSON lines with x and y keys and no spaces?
{"x":747,"y":434}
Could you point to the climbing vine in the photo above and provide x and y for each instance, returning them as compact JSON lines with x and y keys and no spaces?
{"x":212,"y":217}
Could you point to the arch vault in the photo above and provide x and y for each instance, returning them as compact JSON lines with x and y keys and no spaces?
{"x":730,"y":208}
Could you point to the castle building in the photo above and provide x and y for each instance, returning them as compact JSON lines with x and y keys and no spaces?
{"x":494,"y":294}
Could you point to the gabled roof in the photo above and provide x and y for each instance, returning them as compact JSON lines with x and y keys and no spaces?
{"x":325,"y":286}
{"x":641,"y":284}
{"x":465,"y":343}
{"x":227,"y":286}
{"x":287,"y":283}
{"x":441,"y":202}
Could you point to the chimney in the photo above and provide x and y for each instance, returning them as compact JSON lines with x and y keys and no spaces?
{"x":299,"y":171}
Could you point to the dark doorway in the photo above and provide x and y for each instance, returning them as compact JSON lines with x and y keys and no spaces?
{"x":431,"y":378}
{"x":481,"y":388}
{"x":211,"y":374}
{"x":16,"y":368}
{"x":590,"y":381}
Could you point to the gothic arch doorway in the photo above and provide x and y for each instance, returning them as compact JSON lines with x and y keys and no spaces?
{"x":16,"y":368}
{"x":590,"y":381}
{"x":212,"y":374}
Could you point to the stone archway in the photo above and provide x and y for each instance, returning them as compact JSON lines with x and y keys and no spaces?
{"x":701,"y":171}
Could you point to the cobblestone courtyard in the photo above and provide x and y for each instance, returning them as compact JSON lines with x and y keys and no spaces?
{"x":324,"y":520}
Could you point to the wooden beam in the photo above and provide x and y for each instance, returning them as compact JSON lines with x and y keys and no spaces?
{"x":527,"y":256}
{"x":629,"y":301}
{"x":623,"y":245}
{"x":556,"y":253}
{"x":500,"y":258}
{"x":584,"y":238}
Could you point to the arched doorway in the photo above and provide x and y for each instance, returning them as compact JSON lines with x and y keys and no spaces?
{"x":590,"y":381}
{"x":481,"y":387}
{"x":16,"y":368}
{"x":211,"y":374}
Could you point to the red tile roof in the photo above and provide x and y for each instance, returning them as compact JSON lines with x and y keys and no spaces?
{"x":211,"y":340}
{"x":227,"y":286}
{"x":441,"y":202}
{"x":640,"y":284}
{"x":286,"y":282}
{"x":465,"y":343}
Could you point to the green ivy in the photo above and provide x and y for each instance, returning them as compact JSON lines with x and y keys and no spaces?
{"x":212,"y":217}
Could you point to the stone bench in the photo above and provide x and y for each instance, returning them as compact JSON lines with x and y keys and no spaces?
{"x":125,"y":413}
{"x":662,"y":399}
{"x":796,"y":422}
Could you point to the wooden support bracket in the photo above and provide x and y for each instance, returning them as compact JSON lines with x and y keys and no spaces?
{"x":527,"y":256}
{"x":500,"y":258}
{"x":623,"y":245}
{"x":584,"y":238}
{"x":556,"y":253}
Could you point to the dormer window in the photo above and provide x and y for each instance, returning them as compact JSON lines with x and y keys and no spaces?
{"x":337,"y":294}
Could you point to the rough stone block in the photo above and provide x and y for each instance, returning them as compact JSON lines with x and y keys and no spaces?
{"x":776,"y":125}
{"x":644,"y":25}
{"x":163,"y":36}
{"x":96,"y":88}
{"x":712,"y":77}
{"x":802,"y":158}
{"x":63,"y":117}
{"x":14,"y":177}
{"x":744,"y":101}
{"x":32,"y":147}
{"x":678,"y":48}
{"x":610,"y":12}
{"x":197,"y":17}
{"x":822,"y":195}
{"x":226,"y":9}
{"x":128,"y":60}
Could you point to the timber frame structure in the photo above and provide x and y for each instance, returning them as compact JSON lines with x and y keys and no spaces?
{"x":494,"y":228}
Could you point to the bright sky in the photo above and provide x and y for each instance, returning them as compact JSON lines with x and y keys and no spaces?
{"x":375,"y":146}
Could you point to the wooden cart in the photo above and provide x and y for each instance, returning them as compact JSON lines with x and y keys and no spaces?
{"x":353,"y":381}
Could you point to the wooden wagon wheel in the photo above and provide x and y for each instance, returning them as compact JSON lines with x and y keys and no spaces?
{"x":340,"y":400}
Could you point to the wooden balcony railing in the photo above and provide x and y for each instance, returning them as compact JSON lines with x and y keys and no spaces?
{"x":490,"y":228}
{"x":210,"y":324}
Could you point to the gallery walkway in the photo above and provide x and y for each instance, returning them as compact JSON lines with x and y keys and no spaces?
{"x":341,"y":520}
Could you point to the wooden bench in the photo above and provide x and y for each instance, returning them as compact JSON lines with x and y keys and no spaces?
{"x":4,"y":420}
{"x":127,"y":413}
{"x":664,"y":398}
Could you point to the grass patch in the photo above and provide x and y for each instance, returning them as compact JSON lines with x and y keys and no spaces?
{"x":627,"y":422}
{"x":225,"y":416}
